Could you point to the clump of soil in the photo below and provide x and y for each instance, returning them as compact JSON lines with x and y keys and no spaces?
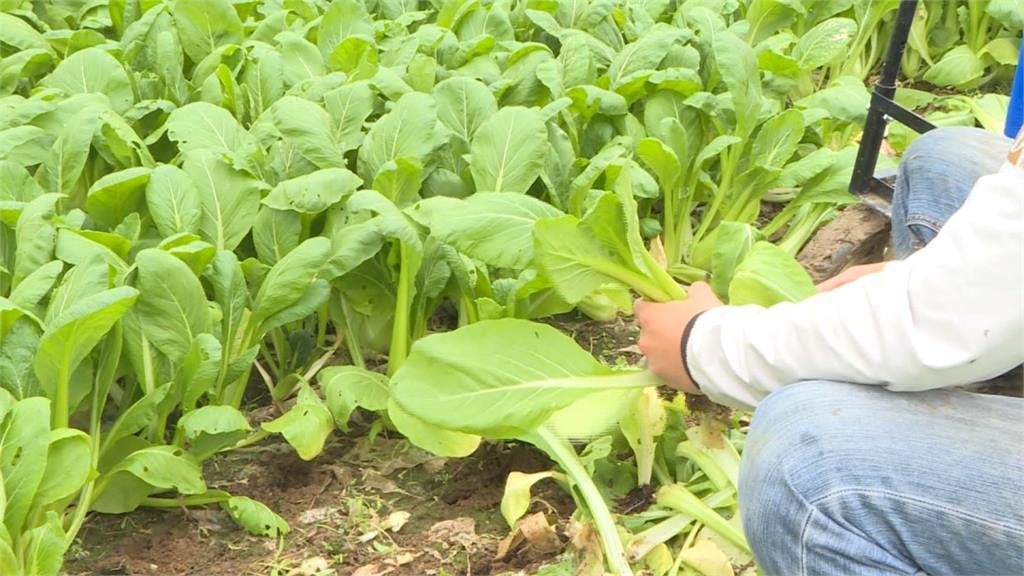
{"x":858,"y":235}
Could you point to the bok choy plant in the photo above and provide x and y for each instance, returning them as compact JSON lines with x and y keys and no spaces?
{"x":519,"y":380}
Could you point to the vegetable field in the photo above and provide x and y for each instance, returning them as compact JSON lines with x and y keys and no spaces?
{"x":292,"y":286}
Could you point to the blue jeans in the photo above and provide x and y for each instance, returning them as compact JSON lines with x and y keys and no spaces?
{"x":935,"y":177}
{"x":847,"y":479}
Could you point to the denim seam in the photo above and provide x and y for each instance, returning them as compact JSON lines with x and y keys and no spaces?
{"x":934,"y":224}
{"x":803,"y":538}
{"x":962,"y":514}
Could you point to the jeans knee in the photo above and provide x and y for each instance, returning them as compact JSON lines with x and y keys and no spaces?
{"x":791,"y":435}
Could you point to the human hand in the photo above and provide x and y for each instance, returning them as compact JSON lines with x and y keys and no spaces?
{"x":849,"y":275}
{"x":661,"y":332}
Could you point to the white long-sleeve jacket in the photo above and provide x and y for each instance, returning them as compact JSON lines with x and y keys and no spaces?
{"x":950,"y":314}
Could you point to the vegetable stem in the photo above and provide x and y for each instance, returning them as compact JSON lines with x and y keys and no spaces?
{"x":184,"y":501}
{"x":562,"y":453}
{"x":677,"y":497}
{"x":60,"y":402}
{"x":400,"y":330}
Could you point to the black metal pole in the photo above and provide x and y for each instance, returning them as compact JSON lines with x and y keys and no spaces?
{"x":874,"y":126}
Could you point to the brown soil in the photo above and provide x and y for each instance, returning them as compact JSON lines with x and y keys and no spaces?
{"x":338,"y":507}
{"x":857,"y":236}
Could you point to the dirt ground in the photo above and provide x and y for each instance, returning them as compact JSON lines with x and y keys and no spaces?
{"x":361,"y":508}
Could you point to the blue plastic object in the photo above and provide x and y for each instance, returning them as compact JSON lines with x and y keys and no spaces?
{"x":1015,"y":115}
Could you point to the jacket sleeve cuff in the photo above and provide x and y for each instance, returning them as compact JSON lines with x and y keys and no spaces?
{"x":682,"y":347}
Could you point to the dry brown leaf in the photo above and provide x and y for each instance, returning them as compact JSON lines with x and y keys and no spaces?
{"x":312,"y":566}
{"x":378,"y":482}
{"x":657,"y":251}
{"x":449,"y":529}
{"x":314,"y":515}
{"x":373,"y":570}
{"x":589,"y":555}
{"x":708,"y":558}
{"x":539,"y":533}
{"x":460,"y":531}
{"x":511,"y":542}
{"x":403,"y":559}
{"x":395,"y":521}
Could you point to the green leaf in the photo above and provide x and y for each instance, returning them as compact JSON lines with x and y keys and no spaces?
{"x":309,"y":128}
{"x":213,"y":420}
{"x":213,"y":428}
{"x":958,"y":67}
{"x":516,"y":499}
{"x":229,"y":199}
{"x":35,"y":236}
{"x":9,"y":314}
{"x":275,"y":233}
{"x":351,"y":246}
{"x":341,"y":20}
{"x":90,"y":71}
{"x":346,"y":388}
{"x":306,"y":426}
{"x":255,"y":517}
{"x":463,"y":105}
{"x":408,"y":131}
{"x":34,"y":287}
{"x":46,"y":547}
{"x":1009,"y":12}
{"x":738,"y":66}
{"x":230,"y":293}
{"x":777,"y":140}
{"x":508,"y":151}
{"x":114,"y":196}
{"x":825,"y":43}
{"x":308,"y":303}
{"x":173,"y":201}
{"x":491,"y":227}
{"x":76,"y":331}
{"x":642,"y":424}
{"x":643,"y":55}
{"x":68,"y":466}
{"x":500,"y":378}
{"x":20,"y":34}
{"x":733,"y":240}
{"x":434,"y":439}
{"x":663,"y":161}
{"x":767,"y":276}
{"x":356,"y":56}
{"x":300,"y":59}
{"x":290,"y":278}
{"x":138,"y":416}
{"x":846,"y":100}
{"x":166,"y":467}
{"x":576,"y":262}
{"x":64,"y":164}
{"x":399,"y":181}
{"x":171,"y":307}
{"x":349,"y":106}
{"x":604,"y":250}
{"x":12,"y":139}
{"x":313,"y":193}
{"x":23,"y":451}
{"x":203,"y":126}
{"x":205,"y":25}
